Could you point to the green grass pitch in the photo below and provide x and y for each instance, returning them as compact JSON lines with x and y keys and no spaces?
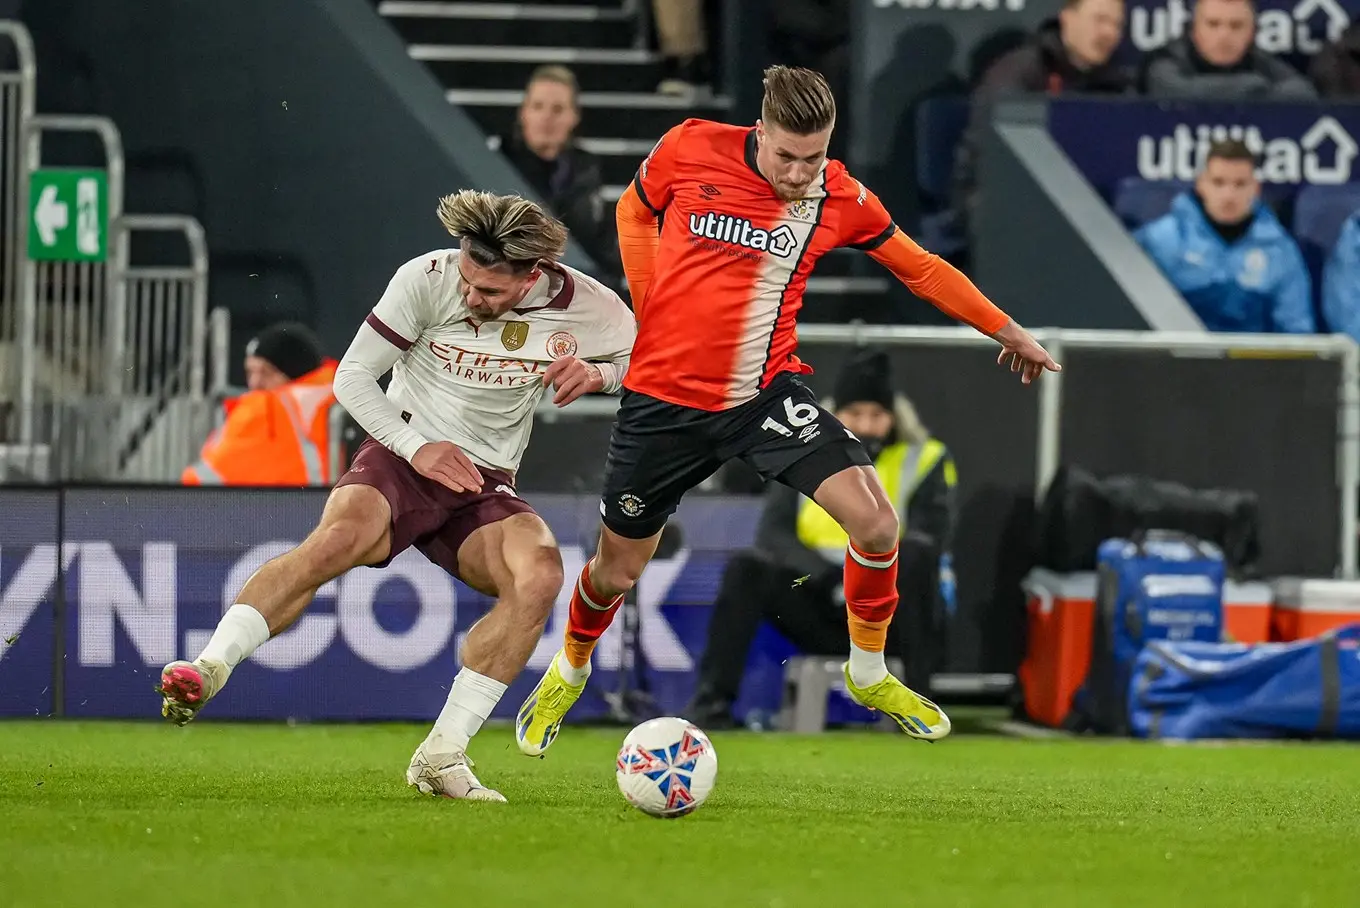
{"x":114,"y":814}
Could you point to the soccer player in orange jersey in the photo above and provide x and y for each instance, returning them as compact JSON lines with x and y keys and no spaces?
{"x":745,"y":213}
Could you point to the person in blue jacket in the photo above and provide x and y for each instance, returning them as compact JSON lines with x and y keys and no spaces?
{"x":1228,"y":254}
{"x":1341,"y":281}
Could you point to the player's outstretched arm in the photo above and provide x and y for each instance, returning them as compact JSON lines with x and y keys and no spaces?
{"x":949,"y":290}
{"x":638,"y":241}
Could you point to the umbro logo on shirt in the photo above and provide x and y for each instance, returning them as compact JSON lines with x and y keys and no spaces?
{"x":740,"y":232}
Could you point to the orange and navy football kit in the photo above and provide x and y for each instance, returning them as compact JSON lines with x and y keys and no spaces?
{"x":716,"y":290}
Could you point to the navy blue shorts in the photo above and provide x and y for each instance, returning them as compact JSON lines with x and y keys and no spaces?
{"x":658,"y":451}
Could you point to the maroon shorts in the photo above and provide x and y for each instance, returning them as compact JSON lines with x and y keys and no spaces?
{"x":426,"y":514}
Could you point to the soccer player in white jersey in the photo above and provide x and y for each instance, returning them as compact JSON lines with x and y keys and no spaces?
{"x":473,"y":336}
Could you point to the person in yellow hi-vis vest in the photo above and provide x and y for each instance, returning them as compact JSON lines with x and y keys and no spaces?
{"x":278,"y":432}
{"x":792,"y":574}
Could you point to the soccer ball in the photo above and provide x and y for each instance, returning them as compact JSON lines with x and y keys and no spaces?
{"x":666,"y":767}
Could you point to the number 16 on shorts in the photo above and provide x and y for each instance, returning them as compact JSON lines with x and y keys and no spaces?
{"x":799,"y":418}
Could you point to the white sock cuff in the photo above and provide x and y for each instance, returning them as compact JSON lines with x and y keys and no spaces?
{"x":480,"y":683}
{"x":570,"y":673}
{"x":870,"y":563}
{"x":251,"y":620}
{"x":866,"y":667}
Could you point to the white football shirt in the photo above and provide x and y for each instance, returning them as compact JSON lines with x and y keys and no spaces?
{"x":476,"y":384}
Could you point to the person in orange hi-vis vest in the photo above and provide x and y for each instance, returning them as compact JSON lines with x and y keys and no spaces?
{"x":278,"y":432}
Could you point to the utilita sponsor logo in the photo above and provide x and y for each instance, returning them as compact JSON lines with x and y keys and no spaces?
{"x":741,"y":232}
{"x":1278,"y":31}
{"x":1324,"y":155}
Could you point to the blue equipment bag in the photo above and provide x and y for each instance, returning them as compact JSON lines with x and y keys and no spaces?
{"x":1157,"y":586}
{"x":1307,"y":689}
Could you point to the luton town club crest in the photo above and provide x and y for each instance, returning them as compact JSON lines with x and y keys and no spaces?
{"x":514,"y":334}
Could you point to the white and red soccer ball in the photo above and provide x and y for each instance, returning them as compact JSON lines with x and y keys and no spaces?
{"x":666,"y":767}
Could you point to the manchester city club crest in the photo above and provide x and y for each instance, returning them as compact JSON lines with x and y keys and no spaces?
{"x":561,"y":344}
{"x":514,"y":334}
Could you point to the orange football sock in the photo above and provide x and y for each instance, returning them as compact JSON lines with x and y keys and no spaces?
{"x":870,"y":600}
{"x":590,"y":617}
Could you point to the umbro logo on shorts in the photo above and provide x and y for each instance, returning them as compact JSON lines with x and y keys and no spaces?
{"x":506,"y":489}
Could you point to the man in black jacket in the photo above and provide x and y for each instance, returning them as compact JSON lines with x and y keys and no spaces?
{"x":1070,"y":54}
{"x":792,"y":575}
{"x":1218,"y":61}
{"x":565,"y":175}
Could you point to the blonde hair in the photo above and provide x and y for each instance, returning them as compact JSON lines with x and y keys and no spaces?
{"x":554,"y":72}
{"x":798,"y":100}
{"x":502,"y":229}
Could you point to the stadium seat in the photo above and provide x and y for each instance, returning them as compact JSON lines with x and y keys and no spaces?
{"x":1319,"y":212}
{"x":940,"y":123}
{"x":1138,"y":201}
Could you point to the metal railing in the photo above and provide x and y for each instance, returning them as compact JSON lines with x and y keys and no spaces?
{"x":17,"y":87}
{"x":104,"y":364}
{"x":72,"y":323}
{"x":166,"y":409}
{"x":1050,"y":389}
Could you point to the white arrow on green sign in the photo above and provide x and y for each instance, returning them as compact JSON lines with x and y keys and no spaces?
{"x":68,"y":217}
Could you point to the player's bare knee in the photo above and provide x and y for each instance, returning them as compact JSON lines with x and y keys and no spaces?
{"x":877,"y":529}
{"x":340,"y":545}
{"x":537,"y":587}
{"x":615,"y":576}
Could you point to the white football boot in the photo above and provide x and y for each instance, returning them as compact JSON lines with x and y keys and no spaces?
{"x":447,"y":776}
{"x":186,"y":686}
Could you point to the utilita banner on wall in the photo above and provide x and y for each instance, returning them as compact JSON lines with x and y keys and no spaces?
{"x":1293,"y":30}
{"x":142,"y":578}
{"x":1299,"y":144}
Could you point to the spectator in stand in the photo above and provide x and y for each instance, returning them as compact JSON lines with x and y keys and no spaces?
{"x":1219,"y":60}
{"x":278,"y":432}
{"x":1336,"y":69}
{"x":1070,"y":54}
{"x":682,"y":33}
{"x":816,"y":34}
{"x":1341,"y":281}
{"x":1228,"y":255}
{"x":567,"y":177}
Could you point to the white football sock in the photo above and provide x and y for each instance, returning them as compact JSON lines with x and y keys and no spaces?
{"x":471,"y":700}
{"x":241,"y":631}
{"x":570,"y":673}
{"x":866,"y":668}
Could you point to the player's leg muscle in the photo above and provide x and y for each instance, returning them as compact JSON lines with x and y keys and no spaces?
{"x":856,"y":499}
{"x":517,"y":560}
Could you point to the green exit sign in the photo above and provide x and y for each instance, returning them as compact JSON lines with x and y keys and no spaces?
{"x":68,"y":215}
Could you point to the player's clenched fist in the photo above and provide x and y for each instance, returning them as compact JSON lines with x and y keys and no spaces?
{"x":445,"y":463}
{"x":572,"y":377}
